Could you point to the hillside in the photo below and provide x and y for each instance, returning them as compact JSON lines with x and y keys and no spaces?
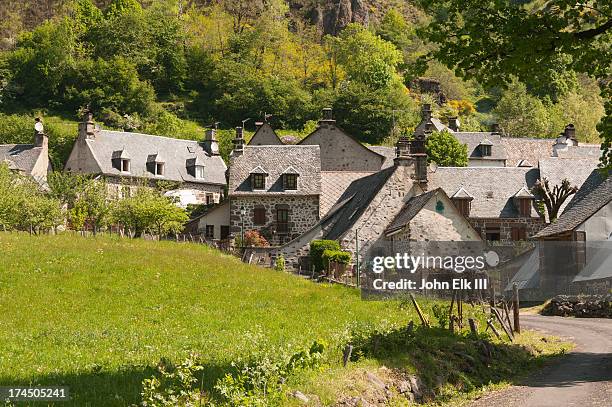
{"x":98,"y":314}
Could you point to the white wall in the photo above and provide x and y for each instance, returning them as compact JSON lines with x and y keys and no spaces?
{"x":218,"y":217}
{"x":599,"y":226}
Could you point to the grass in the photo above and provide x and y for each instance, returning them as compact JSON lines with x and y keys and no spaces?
{"x":98,"y":314}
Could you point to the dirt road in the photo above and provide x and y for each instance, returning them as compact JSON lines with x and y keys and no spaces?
{"x":582,"y":378}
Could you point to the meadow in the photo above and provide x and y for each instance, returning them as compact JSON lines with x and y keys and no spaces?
{"x":98,"y":315}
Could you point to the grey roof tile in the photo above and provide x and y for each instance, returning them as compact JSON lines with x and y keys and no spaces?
{"x":493,"y":188}
{"x":530,"y":149}
{"x":138,"y":147}
{"x":22,"y":157}
{"x":275,"y":160}
{"x":474,"y":139}
{"x":595,"y":193}
{"x":410,"y":209}
{"x":333,"y":185}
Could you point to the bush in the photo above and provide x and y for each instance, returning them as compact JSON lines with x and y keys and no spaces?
{"x":280,"y":263}
{"x":317,"y":247}
{"x":253,"y":238}
{"x":336,"y":256}
{"x":445,"y":150}
{"x":175,"y":386}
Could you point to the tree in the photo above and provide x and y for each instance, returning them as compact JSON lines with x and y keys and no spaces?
{"x":495,"y":40}
{"x":445,"y":150}
{"x":522,"y":115}
{"x":554,"y":197}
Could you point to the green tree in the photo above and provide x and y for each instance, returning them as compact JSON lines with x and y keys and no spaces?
{"x":495,"y":40}
{"x":445,"y":150}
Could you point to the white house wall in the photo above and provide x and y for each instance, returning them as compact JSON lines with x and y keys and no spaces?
{"x":599,"y":226}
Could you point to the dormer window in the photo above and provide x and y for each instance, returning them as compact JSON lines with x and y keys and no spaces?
{"x":258,"y":178}
{"x":290,"y":179}
{"x":463,"y":201}
{"x":155,"y":164}
{"x":195,"y":167}
{"x":125,"y":165}
{"x":121,"y":160}
{"x":259,"y":181}
{"x":523,"y":200}
{"x":486,"y":148}
{"x":199,"y":171}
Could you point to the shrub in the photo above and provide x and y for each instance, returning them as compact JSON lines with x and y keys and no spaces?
{"x":336,"y":256}
{"x":174,"y":386}
{"x":317,"y":247}
{"x":280,"y":263}
{"x":253,"y":238}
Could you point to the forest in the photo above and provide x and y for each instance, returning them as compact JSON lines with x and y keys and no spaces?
{"x":173,"y":67}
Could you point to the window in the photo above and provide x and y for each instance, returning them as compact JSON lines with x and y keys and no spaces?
{"x":259,"y":216}
{"x":125,"y":165}
{"x":463,"y":205}
{"x":210,"y":231}
{"x":493,"y":234}
{"x":524,"y":207}
{"x":225,"y":232}
{"x":519,"y":233}
{"x":485,"y":150}
{"x":159,"y":168}
{"x":199,"y":171}
{"x":282,"y":220}
{"x":291,"y":181}
{"x":259,"y":181}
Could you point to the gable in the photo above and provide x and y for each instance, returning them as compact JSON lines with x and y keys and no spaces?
{"x":265,"y":136}
{"x":341,"y":152}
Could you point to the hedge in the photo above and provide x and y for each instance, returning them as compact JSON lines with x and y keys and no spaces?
{"x":337,"y":256}
{"x":317,"y":247}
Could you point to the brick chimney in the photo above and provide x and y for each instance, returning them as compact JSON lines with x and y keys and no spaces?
{"x":40,"y":138}
{"x":87,"y":128}
{"x":453,"y":123}
{"x":238,"y":142}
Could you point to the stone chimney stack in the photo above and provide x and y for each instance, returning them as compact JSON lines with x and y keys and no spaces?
{"x":495,"y":128}
{"x":211,"y":145}
{"x":426,"y":112}
{"x":40,"y":138}
{"x":238,"y":142}
{"x":453,"y":123}
{"x":327,"y":119}
{"x":419,"y":153}
{"x":87,"y":128}
{"x":570,"y":133}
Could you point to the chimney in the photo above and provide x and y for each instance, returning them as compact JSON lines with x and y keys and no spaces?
{"x":453,"y":123}
{"x":402,"y":151}
{"x":327,"y":118}
{"x":426,"y":112}
{"x":87,"y":128}
{"x":258,"y":125}
{"x":419,"y":153}
{"x":40,"y":138}
{"x":495,"y":128}
{"x":211,"y":145}
{"x":238,"y":142}
{"x":570,"y":133}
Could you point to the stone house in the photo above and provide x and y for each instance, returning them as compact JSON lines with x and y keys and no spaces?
{"x":574,"y":254}
{"x":264,"y":136}
{"x":29,"y":159}
{"x":274,"y":189}
{"x":194,"y":169}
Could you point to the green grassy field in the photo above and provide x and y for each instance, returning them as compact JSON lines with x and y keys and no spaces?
{"x":98,"y":314}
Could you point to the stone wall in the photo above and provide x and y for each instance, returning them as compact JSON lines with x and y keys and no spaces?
{"x":580,"y":306}
{"x":505,"y":225}
{"x":303,"y":215}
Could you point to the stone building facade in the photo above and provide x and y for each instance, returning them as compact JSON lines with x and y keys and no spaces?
{"x":196,"y":169}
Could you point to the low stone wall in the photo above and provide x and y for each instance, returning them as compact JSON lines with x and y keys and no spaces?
{"x":593,"y":306}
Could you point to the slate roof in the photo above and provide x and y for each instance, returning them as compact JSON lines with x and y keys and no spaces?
{"x":576,"y":171}
{"x":437,"y":125}
{"x":493,"y":188}
{"x":592,"y":196}
{"x":530,"y":149}
{"x":333,"y":185}
{"x":265,"y":136}
{"x":410,"y":209}
{"x":22,"y":157}
{"x":354,"y":201}
{"x":474,"y":139}
{"x":138,"y":147}
{"x":275,"y":160}
{"x":581,"y":151}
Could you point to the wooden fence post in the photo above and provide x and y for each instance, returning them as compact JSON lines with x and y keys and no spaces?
{"x":418,"y":310}
{"x":473,"y":326}
{"x":346,"y":355}
{"x":515,"y":308}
